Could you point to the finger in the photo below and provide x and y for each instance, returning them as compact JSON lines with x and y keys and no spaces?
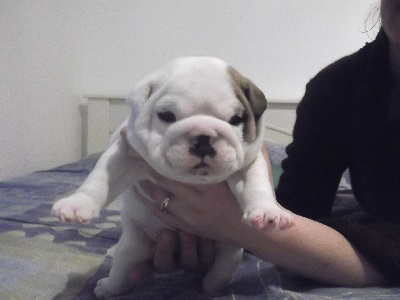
{"x":164,"y":258}
{"x":124,"y":134}
{"x":177,"y":188}
{"x":141,"y":271}
{"x":206,"y":253}
{"x":153,"y":192}
{"x":157,"y":195}
{"x":188,"y":251}
{"x":131,"y":151}
{"x":175,"y":216}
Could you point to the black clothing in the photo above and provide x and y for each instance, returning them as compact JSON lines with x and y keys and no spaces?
{"x":346,"y":120}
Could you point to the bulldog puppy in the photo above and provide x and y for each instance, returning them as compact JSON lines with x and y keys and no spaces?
{"x":198,"y":121}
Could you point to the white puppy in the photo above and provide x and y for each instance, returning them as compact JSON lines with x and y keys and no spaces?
{"x":197,"y":121}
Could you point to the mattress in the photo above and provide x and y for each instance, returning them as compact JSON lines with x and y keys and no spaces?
{"x":43,"y":258}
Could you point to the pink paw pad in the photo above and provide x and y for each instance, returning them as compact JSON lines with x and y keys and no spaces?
{"x":285,"y":224}
{"x":258,"y":222}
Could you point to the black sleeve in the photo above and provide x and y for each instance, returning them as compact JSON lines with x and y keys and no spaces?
{"x":317,"y":156}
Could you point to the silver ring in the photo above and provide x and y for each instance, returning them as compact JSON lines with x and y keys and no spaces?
{"x":164,"y":205}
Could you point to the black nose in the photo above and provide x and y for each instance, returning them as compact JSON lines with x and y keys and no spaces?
{"x":202,"y":147}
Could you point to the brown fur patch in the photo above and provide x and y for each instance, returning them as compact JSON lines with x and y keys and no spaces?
{"x":252,"y":99}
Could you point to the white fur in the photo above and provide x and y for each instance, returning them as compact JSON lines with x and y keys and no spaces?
{"x":199,"y":92}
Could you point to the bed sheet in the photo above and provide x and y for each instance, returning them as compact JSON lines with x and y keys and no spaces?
{"x":43,"y":258}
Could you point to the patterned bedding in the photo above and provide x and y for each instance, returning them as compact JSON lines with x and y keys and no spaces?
{"x":43,"y":258}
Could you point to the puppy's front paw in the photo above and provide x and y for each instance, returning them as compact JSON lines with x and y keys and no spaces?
{"x":78,"y":208}
{"x":105,"y":289}
{"x":269,"y":217}
{"x":102,"y":289}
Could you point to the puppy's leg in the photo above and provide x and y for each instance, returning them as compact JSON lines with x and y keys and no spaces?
{"x":111,"y":175}
{"x":226,"y":261}
{"x":256,"y":197}
{"x":133,"y":247}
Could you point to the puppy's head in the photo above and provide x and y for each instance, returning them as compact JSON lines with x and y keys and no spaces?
{"x":197,"y":120}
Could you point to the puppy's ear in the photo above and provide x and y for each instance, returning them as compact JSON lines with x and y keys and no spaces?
{"x":142,"y":91}
{"x":252,"y":99}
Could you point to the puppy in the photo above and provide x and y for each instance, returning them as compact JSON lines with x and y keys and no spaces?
{"x":198,"y":121}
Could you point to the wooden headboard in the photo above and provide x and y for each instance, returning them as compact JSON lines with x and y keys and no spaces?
{"x":104,"y":114}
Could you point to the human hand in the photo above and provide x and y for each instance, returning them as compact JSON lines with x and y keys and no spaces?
{"x":209,"y":211}
{"x":177,"y":250}
{"x":194,"y":252}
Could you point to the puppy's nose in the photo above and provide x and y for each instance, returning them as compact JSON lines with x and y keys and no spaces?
{"x":202,"y":147}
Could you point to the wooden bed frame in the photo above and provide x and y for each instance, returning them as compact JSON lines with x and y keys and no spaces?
{"x":104,"y":114}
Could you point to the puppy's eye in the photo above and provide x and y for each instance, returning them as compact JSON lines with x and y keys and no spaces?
{"x":167,"y":116}
{"x":237,"y":119}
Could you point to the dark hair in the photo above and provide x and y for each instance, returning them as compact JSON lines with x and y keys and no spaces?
{"x":372,"y":22}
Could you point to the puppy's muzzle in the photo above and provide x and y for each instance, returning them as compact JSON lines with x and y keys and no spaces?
{"x":202,"y":147}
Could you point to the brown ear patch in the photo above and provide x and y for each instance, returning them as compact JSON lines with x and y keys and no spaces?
{"x":252,"y":99}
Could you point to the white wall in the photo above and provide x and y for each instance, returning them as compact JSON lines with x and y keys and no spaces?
{"x":51,"y":52}
{"x":279,"y":44}
{"x":40,"y":85}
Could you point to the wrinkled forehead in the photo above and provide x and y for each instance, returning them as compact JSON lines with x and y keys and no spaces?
{"x":200,"y":75}
{"x":203,"y":87}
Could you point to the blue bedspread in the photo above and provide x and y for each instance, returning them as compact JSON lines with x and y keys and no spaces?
{"x":43,"y":258}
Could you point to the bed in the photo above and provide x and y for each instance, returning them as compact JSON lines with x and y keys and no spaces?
{"x":43,"y":258}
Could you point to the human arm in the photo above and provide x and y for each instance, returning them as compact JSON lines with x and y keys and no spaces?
{"x":309,"y":248}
